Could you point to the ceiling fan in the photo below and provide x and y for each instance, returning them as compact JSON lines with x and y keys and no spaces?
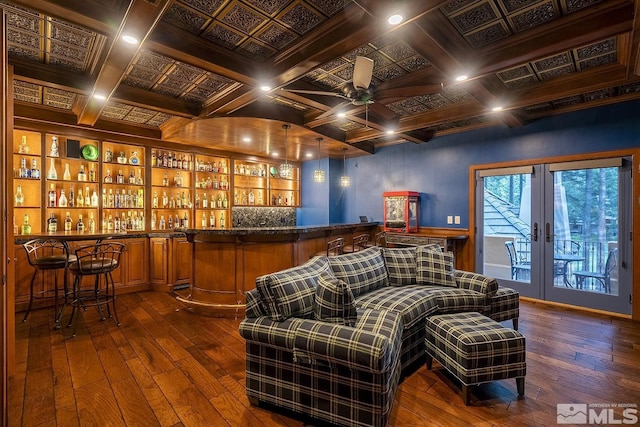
{"x":361,"y":92}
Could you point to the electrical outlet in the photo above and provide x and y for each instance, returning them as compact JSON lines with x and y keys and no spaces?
{"x":457,"y":219}
{"x":449,"y":219}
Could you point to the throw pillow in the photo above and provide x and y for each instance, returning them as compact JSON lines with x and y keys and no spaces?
{"x":334,"y":301}
{"x":363,"y":271}
{"x":291,"y":293}
{"x":401,"y":265}
{"x":435,"y":268}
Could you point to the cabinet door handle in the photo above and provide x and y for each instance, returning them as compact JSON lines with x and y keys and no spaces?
{"x":548,"y":234}
{"x":534,"y":236}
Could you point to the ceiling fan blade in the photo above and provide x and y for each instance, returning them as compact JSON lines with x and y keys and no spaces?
{"x":408,"y":92}
{"x":383,"y":112}
{"x":315,"y":92}
{"x":362,"y":72}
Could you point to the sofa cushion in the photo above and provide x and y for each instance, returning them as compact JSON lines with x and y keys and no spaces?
{"x":435,"y":268}
{"x":413,"y":302}
{"x":401,"y":265}
{"x":267,"y":332}
{"x":334,"y":301}
{"x":363,"y":271}
{"x":291,"y":292}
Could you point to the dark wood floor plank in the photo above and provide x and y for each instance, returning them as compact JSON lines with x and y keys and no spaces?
{"x":158,"y":403}
{"x":168,"y":365}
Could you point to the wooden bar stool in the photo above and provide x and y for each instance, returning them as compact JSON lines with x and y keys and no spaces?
{"x":48,"y":255}
{"x":334,"y":247}
{"x":359,"y":243}
{"x":98,"y":260}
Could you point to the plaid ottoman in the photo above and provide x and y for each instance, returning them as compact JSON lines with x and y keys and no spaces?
{"x":505,"y":305}
{"x":475,"y":349}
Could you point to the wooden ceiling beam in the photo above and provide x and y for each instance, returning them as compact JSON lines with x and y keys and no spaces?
{"x":139,"y":21}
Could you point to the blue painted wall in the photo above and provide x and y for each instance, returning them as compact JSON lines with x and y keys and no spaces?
{"x":439,"y":169}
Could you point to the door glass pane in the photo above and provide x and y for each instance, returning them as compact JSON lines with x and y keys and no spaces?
{"x":585,"y":219}
{"x":507,"y":229}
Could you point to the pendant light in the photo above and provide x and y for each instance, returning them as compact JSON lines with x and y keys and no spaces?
{"x":286,"y":169}
{"x":318,"y":174}
{"x":345,"y":180}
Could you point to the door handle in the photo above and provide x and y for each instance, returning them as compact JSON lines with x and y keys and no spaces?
{"x":534,"y":236}
{"x":548,"y":232}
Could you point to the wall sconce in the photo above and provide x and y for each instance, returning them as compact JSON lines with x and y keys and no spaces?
{"x":345,"y":180}
{"x":318,"y":174}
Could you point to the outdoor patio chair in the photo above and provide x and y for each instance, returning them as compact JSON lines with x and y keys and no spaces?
{"x":517,"y":266}
{"x":603,"y":277}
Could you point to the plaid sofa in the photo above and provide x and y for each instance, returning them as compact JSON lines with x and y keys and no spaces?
{"x":332,"y":338}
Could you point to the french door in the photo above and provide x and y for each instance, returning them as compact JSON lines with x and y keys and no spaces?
{"x":558,"y":231}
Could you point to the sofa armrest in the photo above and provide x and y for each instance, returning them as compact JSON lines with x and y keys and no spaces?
{"x":265,"y":331}
{"x":372,"y":346}
{"x":476,"y":282}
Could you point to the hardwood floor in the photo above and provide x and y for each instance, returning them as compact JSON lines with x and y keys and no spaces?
{"x":169,"y":366}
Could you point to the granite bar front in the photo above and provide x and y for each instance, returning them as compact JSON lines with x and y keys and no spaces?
{"x":225,"y":263}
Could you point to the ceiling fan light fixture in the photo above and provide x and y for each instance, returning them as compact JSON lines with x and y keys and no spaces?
{"x":395,"y":18}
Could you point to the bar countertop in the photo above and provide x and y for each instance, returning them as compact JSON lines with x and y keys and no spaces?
{"x":247,"y":231}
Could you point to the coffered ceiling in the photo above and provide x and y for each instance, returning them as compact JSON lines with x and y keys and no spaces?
{"x":195,"y":77}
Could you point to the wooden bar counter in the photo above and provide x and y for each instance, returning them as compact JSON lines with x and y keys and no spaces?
{"x":225,"y":263}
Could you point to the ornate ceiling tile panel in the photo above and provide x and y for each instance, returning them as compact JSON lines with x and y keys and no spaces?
{"x":139,"y":83}
{"x":116,"y":110}
{"x":475,"y":17}
{"x":557,"y":72}
{"x":268,"y":7}
{"x":276,"y":36}
{"x":345,"y":73}
{"x":596,"y":49}
{"x":600,"y":95}
{"x":153,"y":61}
{"x":456,"y":94}
{"x":300,"y":18}
{"x":24,"y":53}
{"x":348,"y":125}
{"x":139,"y":115}
{"x":379,"y":60}
{"x":242,"y":18}
{"x":414,"y":63}
{"x":434,"y":101}
{"x":510,"y":6}
{"x":186,"y":73}
{"x":159,"y":119}
{"x":71,"y":34}
{"x":364,"y":50}
{"x":514,"y":73}
{"x":330,"y":81}
{"x":396,"y":109}
{"x":255,"y":50}
{"x":389,"y":73}
{"x":58,"y":98}
{"x":456,"y":5}
{"x":398,"y":50}
{"x":560,"y":60}
{"x":65,"y":64}
{"x":522,"y":83}
{"x":224,"y":35}
{"x":569,"y":6}
{"x":487,"y":35}
{"x":185,"y":18}
{"x":329,"y":7}
{"x":534,"y":16}
{"x":538,"y":108}
{"x":571,"y":100}
{"x":24,"y":38}
{"x":207,"y":6}
{"x":597,"y":61}
{"x":629,"y":88}
{"x":333,"y":64}
{"x":27,"y":92}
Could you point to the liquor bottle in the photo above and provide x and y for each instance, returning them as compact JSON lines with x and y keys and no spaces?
{"x":120,"y":177}
{"x":139,"y":180}
{"x":94,"y":199}
{"x":71,"y":202}
{"x":62,"y":201}
{"x":153,"y":221}
{"x":108,"y":179}
{"x":66,"y":175}
{"x":165,"y":180}
{"x":122,"y":159}
{"x":153,"y":157}
{"x":175,"y":161}
{"x":68,"y":223}
{"x":170,"y":222}
{"x":110,"y":199}
{"x":212,"y":220}
{"x":185,"y":221}
{"x":23,"y":148}
{"x":54,"y":148}
{"x":159,"y":160}
{"x":154,"y":202}
{"x":205,"y":202}
{"x":19,"y":196}
{"x":52,"y":224}
{"x":116,"y":223}
{"x":80,"y":199}
{"x":80,"y":224}
{"x":225,"y":201}
{"x":134,"y":159}
{"x":87,"y":197}
{"x":162,"y":224}
{"x":132,"y":177}
{"x":53,"y":198}
{"x":108,"y":155}
{"x":92,"y":223}
{"x":35,"y":172}
{"x":166,"y":162}
{"x":165,"y":200}
{"x":23,"y":172}
{"x":260,"y":199}
{"x":222,"y":221}
{"x":15,"y":227}
{"x":110,"y":223}
{"x":92,"y":173}
{"x":82,"y":174}
{"x":185,"y":162}
{"x":197,"y":201}
{"x":26,"y":227}
{"x":204,"y":220}
{"x":51,"y":172}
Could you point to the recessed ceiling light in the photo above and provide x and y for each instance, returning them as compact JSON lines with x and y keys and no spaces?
{"x":342,"y":114}
{"x":129,"y":39}
{"x":462,"y":78}
{"x":99,"y":96}
{"x":274,"y":154}
{"x":497,"y":108}
{"x":395,"y":19}
{"x":265,"y":88}
{"x":390,"y":132}
{"x":246,"y":139}
{"x":309,"y":154}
